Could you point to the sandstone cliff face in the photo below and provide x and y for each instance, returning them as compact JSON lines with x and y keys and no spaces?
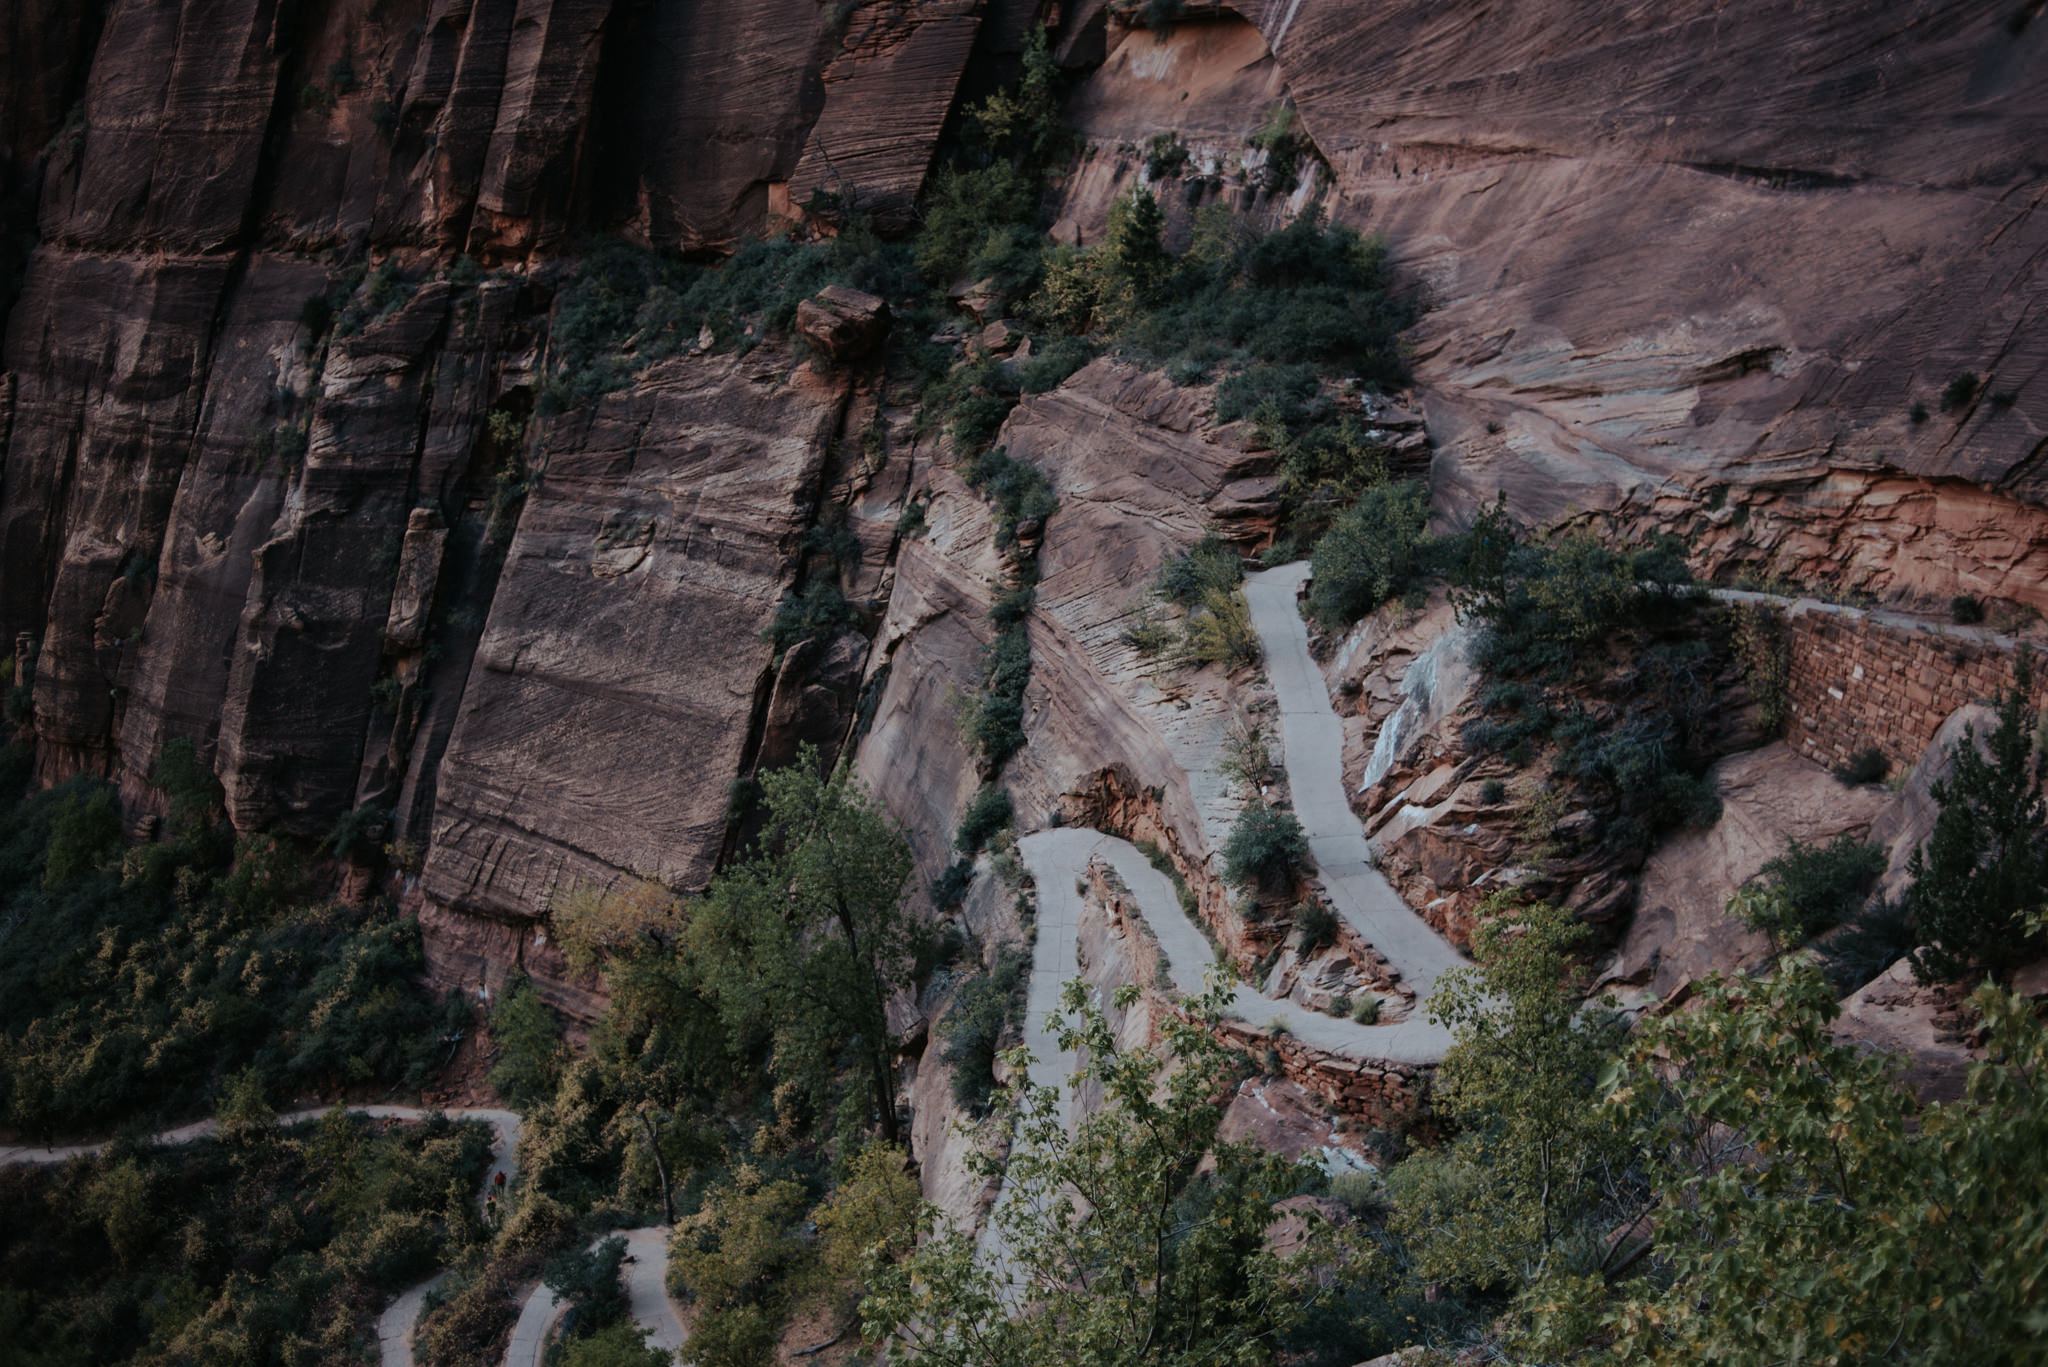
{"x":266,"y":433}
{"x":273,"y":482}
{"x":1697,"y":255}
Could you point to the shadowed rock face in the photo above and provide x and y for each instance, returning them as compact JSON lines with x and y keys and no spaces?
{"x":1693,"y":265}
{"x":1679,"y":249}
{"x":623,"y":663}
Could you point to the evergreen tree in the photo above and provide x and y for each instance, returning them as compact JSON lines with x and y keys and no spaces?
{"x":1986,"y":864}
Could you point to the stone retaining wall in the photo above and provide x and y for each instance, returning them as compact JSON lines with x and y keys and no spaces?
{"x":1862,"y":679}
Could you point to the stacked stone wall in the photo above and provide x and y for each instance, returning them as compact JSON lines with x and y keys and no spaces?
{"x":1858,"y":680}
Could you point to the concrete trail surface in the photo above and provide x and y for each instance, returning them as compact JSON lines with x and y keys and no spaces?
{"x":1055,"y":858}
{"x":1314,"y":741}
{"x":647,"y":1299}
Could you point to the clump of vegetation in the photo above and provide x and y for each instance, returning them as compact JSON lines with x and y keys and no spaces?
{"x":1983,"y":872}
{"x":1809,"y":888}
{"x":1016,"y":489}
{"x":1965,"y":610}
{"x":1960,"y":389}
{"x":1214,"y":1288}
{"x":988,"y":812}
{"x":1316,"y":923}
{"x":995,"y":723}
{"x":136,"y":980}
{"x":1265,"y":846}
{"x":1765,"y":654}
{"x":263,"y":1246}
{"x":1868,"y":765}
{"x":1371,"y":553}
{"x":1284,"y":145}
{"x":1565,"y":616}
{"x":1165,"y":155}
{"x":983,"y":1010}
{"x":818,"y":608}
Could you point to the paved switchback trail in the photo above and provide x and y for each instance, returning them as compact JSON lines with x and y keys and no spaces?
{"x":1313,"y":738}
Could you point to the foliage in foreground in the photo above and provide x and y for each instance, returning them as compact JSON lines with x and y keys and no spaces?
{"x":1815,"y":1211}
{"x":1118,"y":1250}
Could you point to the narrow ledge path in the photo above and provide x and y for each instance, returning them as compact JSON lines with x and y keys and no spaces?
{"x":1313,"y":738}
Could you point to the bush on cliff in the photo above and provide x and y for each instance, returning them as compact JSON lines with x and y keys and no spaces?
{"x":1371,"y":552}
{"x":1265,"y":846}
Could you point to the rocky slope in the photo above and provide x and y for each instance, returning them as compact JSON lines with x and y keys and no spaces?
{"x":275,"y":481}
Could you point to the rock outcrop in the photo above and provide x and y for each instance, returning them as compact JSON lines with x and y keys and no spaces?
{"x":277,"y":479}
{"x":1714,"y":256}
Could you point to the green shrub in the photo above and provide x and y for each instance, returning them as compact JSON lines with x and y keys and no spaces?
{"x":949,"y":889}
{"x":85,"y":836}
{"x":1052,"y":363}
{"x":1493,"y":792}
{"x":1366,"y":1011}
{"x":1189,"y":577}
{"x":983,"y":1009}
{"x":1960,"y":389}
{"x":1981,"y":878}
{"x":1868,"y":765}
{"x":995,"y":726}
{"x":1284,"y":395}
{"x":1965,"y":610}
{"x":588,"y":1279}
{"x":623,"y":1344}
{"x":529,"y":1050}
{"x":1220,"y":631}
{"x":987,"y":813}
{"x":1265,"y":846}
{"x":1369,"y":553}
{"x":1166,"y":154}
{"x":1016,"y":489}
{"x":1824,"y":884}
{"x":1871,"y":941}
{"x":819,"y":608}
{"x":1317,"y":924}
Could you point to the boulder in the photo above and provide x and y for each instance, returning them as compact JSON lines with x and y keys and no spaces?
{"x":843,"y":322}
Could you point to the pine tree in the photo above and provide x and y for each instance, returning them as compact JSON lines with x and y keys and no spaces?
{"x":1986,"y":864}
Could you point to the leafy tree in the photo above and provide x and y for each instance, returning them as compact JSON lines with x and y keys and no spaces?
{"x":588,"y":1279}
{"x":1985,"y":866}
{"x":1264,"y":846}
{"x":873,"y":1213}
{"x":973,"y":1028}
{"x":1110,"y":1249}
{"x":1133,"y":261}
{"x":593,"y":924}
{"x":1812,"y":1212}
{"x":1535,"y":1156}
{"x":529,"y":1049}
{"x":807,"y":939}
{"x":86,"y":836}
{"x":623,"y":1344}
{"x":1809,"y":888}
{"x":736,"y":1258}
